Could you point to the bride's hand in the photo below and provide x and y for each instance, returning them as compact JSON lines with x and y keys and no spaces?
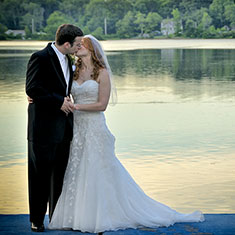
{"x":30,"y":100}
{"x":76,"y":106}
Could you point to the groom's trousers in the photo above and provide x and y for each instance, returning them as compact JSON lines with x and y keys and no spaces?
{"x":46,"y":167}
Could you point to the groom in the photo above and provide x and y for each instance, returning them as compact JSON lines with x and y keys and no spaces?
{"x":50,"y":121}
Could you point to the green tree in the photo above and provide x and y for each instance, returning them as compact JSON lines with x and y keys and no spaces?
{"x":177,"y":21}
{"x":85,"y":30}
{"x":54,"y":21}
{"x":28,"y":32}
{"x":125,"y":18}
{"x":212,"y":31}
{"x":49,"y":7}
{"x":153,"y":22}
{"x":204,"y":25}
{"x":187,"y":7}
{"x":11,"y":11}
{"x":126,"y":26}
{"x":3,"y":29}
{"x":94,"y":15}
{"x":190,"y":28}
{"x":166,"y":7}
{"x":230,"y":14}
{"x":98,"y":10}
{"x":140,"y":22}
{"x":115,"y":10}
{"x":217,"y":12}
{"x":206,"y":21}
{"x":193,"y":10}
{"x":146,"y":6}
{"x":34,"y":17}
{"x":193,"y":25}
{"x":74,"y":9}
{"x":98,"y":33}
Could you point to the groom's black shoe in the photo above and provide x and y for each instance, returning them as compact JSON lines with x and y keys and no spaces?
{"x":37,"y":227}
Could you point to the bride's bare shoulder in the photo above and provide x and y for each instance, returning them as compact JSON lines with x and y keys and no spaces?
{"x":104,"y":72}
{"x":103,"y":75}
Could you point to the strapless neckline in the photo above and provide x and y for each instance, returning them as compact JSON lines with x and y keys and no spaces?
{"x":86,"y":92}
{"x":85,"y":82}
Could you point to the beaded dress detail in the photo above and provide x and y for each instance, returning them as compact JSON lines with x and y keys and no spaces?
{"x":98,"y":193}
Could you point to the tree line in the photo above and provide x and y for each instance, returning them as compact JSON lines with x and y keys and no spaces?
{"x":114,"y":19}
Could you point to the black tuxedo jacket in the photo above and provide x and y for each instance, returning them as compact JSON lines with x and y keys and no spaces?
{"x":45,"y":83}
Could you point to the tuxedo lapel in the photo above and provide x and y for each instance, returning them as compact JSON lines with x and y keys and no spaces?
{"x":56,"y":65}
{"x":71,"y":74}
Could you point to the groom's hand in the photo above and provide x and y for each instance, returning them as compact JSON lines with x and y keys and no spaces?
{"x":30,"y":100}
{"x":67,"y":106}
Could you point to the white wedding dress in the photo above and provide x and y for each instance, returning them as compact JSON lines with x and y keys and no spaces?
{"x":98,"y":193}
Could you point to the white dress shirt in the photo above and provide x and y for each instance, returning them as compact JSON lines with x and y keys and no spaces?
{"x":64,"y":64}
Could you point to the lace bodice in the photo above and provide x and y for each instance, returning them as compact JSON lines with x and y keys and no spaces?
{"x":85,"y":93}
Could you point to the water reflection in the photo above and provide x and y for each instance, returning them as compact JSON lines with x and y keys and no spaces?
{"x":180,"y":64}
{"x":174,"y":125}
{"x":12,"y":77}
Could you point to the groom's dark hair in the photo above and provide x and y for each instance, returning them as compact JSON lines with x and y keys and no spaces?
{"x":67,"y":33}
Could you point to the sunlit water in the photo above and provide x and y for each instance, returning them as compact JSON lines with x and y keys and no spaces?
{"x":174,"y":124}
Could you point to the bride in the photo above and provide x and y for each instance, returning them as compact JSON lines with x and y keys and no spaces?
{"x":98,"y":193}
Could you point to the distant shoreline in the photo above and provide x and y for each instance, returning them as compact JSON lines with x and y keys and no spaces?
{"x":135,"y":44}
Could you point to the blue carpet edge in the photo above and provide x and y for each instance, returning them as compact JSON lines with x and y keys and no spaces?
{"x":214,"y":224}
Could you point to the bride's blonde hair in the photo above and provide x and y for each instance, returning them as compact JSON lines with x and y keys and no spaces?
{"x":96,"y":61}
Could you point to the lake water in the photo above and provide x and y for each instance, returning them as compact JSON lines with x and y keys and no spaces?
{"x":173,"y":123}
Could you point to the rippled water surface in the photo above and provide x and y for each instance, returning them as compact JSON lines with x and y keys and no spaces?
{"x":174,"y":125}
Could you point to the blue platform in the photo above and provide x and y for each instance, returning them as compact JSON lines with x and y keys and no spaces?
{"x":215,"y":224}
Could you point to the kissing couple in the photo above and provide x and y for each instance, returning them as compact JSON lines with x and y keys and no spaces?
{"x":72,"y":165}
